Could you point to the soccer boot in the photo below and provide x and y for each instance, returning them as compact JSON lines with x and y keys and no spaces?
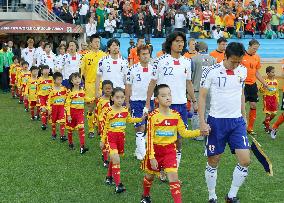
{"x":63,"y":138}
{"x":120,"y":188}
{"x":83,"y":150}
{"x":71,"y":146}
{"x":109,"y":180}
{"x":106,"y":163}
{"x":273,"y":133}
{"x":33,"y":118}
{"x":91,"y":135}
{"x":212,"y":200}
{"x":53,"y":137}
{"x":26,"y":110}
{"x":43,"y":127}
{"x":145,"y":199}
{"x":21,"y":102}
{"x":232,"y":200}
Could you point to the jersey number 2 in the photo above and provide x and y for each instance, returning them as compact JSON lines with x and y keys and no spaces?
{"x":168,"y":70}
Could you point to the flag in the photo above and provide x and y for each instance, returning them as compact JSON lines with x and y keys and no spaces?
{"x":261,"y":156}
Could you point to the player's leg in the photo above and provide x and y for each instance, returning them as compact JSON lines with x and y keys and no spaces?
{"x":252,"y":98}
{"x":276,"y":125}
{"x":79,"y":117}
{"x":43,"y":110}
{"x":61,"y":120}
{"x":147,"y":184}
{"x":32,"y":109}
{"x":90,"y":95}
{"x":54,"y":114}
{"x":174,"y":186}
{"x":211,"y":176}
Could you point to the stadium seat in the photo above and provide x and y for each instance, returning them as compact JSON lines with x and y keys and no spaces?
{"x":116,"y":35}
{"x":125,"y":35}
{"x":194,"y":35}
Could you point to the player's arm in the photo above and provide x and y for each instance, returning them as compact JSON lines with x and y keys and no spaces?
{"x":98,"y":79}
{"x":128,"y":88}
{"x":26,"y":93}
{"x":261,"y":79}
{"x":130,"y":119}
{"x":68,"y":104}
{"x":184,"y":132}
{"x":243,"y":106}
{"x":201,"y":110}
{"x":83,"y":66}
{"x":49,"y":101}
{"x":190,"y":90}
{"x":152,"y":84}
{"x":105,"y":125}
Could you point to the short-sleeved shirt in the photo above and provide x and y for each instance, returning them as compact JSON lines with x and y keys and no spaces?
{"x":229,"y":20}
{"x":133,"y":55}
{"x":173,"y":72}
{"x":252,"y":63}
{"x":28,"y":55}
{"x":70,"y":64}
{"x":218,"y":55}
{"x":49,"y":60}
{"x":225,"y":87}
{"x":114,"y":70}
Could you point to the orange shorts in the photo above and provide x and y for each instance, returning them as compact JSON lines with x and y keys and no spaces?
{"x":77,"y":121}
{"x":115,"y":142}
{"x":166,"y":158}
{"x":270,"y":104}
{"x":57,"y":114}
{"x":42,"y":100}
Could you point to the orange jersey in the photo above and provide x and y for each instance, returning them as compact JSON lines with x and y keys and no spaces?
{"x":44,"y":86}
{"x":75,"y":100}
{"x":18,"y":75}
{"x":133,"y":55}
{"x":102,"y":105}
{"x":273,"y":88}
{"x":57,"y":97}
{"x":115,"y":121}
{"x":189,"y":55}
{"x":163,"y":129}
{"x":252,"y":63}
{"x":13,"y":69}
{"x":24,"y":77}
{"x":219,"y":56}
{"x":30,"y":90}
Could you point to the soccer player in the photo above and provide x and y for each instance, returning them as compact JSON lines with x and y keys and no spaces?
{"x":133,"y":57}
{"x":112,"y":67}
{"x":28,"y":53}
{"x":25,"y":74}
{"x":13,"y":72}
{"x":103,"y":104}
{"x":44,"y":85}
{"x":174,"y":70}
{"x":163,"y":126}
{"x":199,"y":63}
{"x":48,"y":58}
{"x":219,"y":53}
{"x":70,"y":63}
{"x":31,"y":94}
{"x":270,"y":97}
{"x":59,"y":58}
{"x":113,"y":136}
{"x":75,"y":112}
{"x":252,"y":62}
{"x":224,"y":82}
{"x":55,"y":106}
{"x":39,"y":52}
{"x":138,"y":77}
{"x":89,"y":67}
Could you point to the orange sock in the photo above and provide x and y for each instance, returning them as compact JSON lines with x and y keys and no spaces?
{"x":279,"y":121}
{"x":252,"y":117}
{"x":116,"y":173}
{"x":147,"y":186}
{"x":176,"y":192}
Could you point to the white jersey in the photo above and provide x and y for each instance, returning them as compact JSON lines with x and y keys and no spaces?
{"x":28,"y":55}
{"x":225,"y":87}
{"x":59,"y":62}
{"x":114,"y":70}
{"x":139,"y":78}
{"x":37,"y":56}
{"x":49,"y":60}
{"x":174,"y":73}
{"x":70,"y":64}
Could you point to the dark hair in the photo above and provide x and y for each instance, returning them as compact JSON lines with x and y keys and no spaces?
{"x":44,"y":67}
{"x":107,"y":82}
{"x":47,"y":44}
{"x":34,"y":68}
{"x":113,"y":40}
{"x":16,"y":57}
{"x":221,"y":39}
{"x":171,"y":37}
{"x":143,"y":47}
{"x":95,"y":36}
{"x":73,"y":75}
{"x":253,"y":42}
{"x":62,"y":45}
{"x":158,"y":87}
{"x":114,"y":91}
{"x":269,"y":69}
{"x":235,"y":49}
{"x":25,"y":63}
{"x":76,"y":44}
{"x":57,"y":75}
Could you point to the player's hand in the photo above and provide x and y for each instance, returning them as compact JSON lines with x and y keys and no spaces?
{"x":154,"y":164}
{"x":49,"y":112}
{"x":144,"y":116}
{"x":206,"y":133}
{"x":147,"y":106}
{"x":195,"y":106}
{"x":43,"y":109}
{"x":204,"y":128}
{"x":69,"y":119}
{"x":102,"y":145}
{"x":265,"y":86}
{"x":128,"y":106}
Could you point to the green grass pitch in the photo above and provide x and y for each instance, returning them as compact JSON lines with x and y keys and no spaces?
{"x":36,"y":169}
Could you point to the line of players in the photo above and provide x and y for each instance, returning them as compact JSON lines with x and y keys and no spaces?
{"x":113,"y":68}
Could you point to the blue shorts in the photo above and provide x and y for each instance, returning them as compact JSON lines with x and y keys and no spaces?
{"x":226,"y":130}
{"x":137,"y":110}
{"x":66,"y":84}
{"x":181,"y":108}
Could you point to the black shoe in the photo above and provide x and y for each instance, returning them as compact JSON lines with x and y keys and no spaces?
{"x":20,"y":102}
{"x":146,"y":199}
{"x":33,"y":118}
{"x":53,"y":137}
{"x":106,"y":163}
{"x":83,"y":150}
{"x":26,"y":110}
{"x":212,"y":201}
{"x":43,"y":127}
{"x":120,"y":188}
{"x":91,"y":135}
{"x":71,"y":146}
{"x":109,"y":180}
{"x":37,"y":117}
{"x":232,"y":200}
{"x":63,"y":138}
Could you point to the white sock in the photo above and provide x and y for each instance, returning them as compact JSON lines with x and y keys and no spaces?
{"x":239,"y":176}
{"x":211,"y":178}
{"x":140,"y":145}
{"x":178,"y":158}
